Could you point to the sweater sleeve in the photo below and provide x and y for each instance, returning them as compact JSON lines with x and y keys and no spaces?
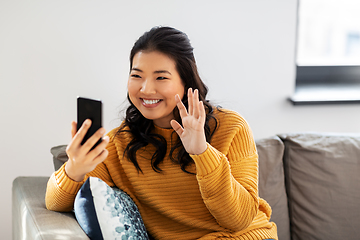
{"x":61,"y":190}
{"x":228,"y":181}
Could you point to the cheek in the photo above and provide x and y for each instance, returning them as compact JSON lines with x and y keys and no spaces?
{"x":178,"y":88}
{"x":173,"y":92}
{"x":131,"y":90}
{"x":131,"y":87}
{"x":181,"y":92}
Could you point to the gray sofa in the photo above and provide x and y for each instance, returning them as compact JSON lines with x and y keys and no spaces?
{"x":311,"y":181}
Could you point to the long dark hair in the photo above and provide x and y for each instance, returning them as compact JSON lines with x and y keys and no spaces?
{"x":176,"y":45}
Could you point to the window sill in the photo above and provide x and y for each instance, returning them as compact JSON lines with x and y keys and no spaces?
{"x":315,"y":94}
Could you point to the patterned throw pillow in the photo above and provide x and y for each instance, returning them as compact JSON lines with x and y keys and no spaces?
{"x":107,"y":213}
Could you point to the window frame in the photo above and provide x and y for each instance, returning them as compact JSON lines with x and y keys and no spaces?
{"x":324,"y":84}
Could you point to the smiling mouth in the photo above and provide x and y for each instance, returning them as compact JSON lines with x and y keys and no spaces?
{"x":150,"y":101}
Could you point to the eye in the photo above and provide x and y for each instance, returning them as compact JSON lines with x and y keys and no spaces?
{"x":135,"y":76}
{"x":161,"y":78}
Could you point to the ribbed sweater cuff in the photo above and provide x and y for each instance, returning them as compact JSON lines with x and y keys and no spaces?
{"x":208,"y":161}
{"x":66,"y":183}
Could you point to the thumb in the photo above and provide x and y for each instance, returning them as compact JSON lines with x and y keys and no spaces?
{"x":177,"y":127}
{"x":73,"y":128}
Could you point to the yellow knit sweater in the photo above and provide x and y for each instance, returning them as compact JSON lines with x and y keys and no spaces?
{"x":219,"y":202}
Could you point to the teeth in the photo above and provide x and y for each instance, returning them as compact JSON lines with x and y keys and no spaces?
{"x":151,"y":101}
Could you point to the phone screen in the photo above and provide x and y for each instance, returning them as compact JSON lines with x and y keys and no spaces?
{"x":89,"y":109}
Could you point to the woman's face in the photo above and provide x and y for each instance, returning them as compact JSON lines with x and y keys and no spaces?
{"x":153,"y":84}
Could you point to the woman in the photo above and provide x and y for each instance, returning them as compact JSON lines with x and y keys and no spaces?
{"x":190,"y":168}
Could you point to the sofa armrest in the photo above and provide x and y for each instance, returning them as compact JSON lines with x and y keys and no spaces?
{"x":31,"y":219}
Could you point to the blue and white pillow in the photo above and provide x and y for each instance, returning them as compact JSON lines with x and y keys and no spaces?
{"x":107,"y":213}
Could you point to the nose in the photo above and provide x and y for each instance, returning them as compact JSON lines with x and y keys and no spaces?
{"x":148,"y":87}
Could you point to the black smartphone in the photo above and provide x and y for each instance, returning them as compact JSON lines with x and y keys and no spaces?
{"x":89,"y":109}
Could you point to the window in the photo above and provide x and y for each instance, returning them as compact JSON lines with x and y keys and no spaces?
{"x":328,"y":52}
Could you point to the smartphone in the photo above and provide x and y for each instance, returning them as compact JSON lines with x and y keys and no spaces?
{"x":88,"y":108}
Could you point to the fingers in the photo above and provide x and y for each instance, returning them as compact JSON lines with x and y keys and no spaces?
{"x":94,"y":139}
{"x":195,"y":108}
{"x":177,"y":127}
{"x":99,"y":153}
{"x":190,"y":101}
{"x":196,"y":104}
{"x":80,"y":134}
{"x":202,"y":113}
{"x":181,"y":107}
{"x":101,"y":157}
{"x":73,"y":129}
{"x":82,"y":158}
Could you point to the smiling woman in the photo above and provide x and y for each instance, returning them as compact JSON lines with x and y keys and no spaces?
{"x":152,"y":85}
{"x":190,"y":168}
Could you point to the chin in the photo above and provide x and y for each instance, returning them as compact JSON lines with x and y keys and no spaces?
{"x":149,"y":116}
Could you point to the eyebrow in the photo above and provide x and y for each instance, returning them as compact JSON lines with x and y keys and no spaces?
{"x":158,"y":71}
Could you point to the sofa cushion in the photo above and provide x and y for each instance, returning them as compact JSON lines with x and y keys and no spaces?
{"x":59,"y":156}
{"x":272,"y":183}
{"x":107,"y":213}
{"x":30,"y":218}
{"x":323,"y":176}
{"x":271,"y":179}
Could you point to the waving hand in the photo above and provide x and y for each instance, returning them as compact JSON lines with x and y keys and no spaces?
{"x":192,"y":132}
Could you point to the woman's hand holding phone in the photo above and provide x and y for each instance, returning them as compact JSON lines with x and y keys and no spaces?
{"x":82,"y":159}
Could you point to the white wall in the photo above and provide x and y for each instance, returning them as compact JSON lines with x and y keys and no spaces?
{"x":53,"y":51}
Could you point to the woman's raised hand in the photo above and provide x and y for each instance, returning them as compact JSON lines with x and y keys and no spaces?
{"x":82,"y":159}
{"x":192,"y":132}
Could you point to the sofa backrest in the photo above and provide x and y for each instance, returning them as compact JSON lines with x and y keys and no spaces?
{"x":272,"y":182}
{"x":271,"y":179}
{"x":322,"y":173}
{"x":310,"y":180}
